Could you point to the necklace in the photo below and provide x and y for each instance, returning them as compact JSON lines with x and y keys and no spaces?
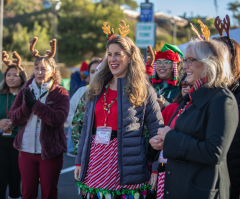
{"x":107,"y":107}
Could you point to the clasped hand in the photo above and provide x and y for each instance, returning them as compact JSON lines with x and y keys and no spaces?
{"x":157,"y":141}
{"x":29,"y":98}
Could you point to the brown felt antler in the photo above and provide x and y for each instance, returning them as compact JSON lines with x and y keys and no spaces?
{"x":53,"y":45}
{"x":33,"y":51}
{"x":226,"y":23}
{"x":18,"y":59}
{"x":219,"y":26}
{"x":5,"y":59}
{"x":222,"y":25}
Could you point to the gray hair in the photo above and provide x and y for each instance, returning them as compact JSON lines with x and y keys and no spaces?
{"x":217,"y":69}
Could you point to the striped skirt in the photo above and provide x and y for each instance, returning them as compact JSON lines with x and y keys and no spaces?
{"x":160,"y":185}
{"x":103,"y":168}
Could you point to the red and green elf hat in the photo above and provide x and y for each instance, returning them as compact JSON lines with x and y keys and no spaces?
{"x":170,"y":52}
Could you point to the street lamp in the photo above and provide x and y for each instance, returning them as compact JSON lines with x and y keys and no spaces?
{"x":56,"y":5}
{"x":1,"y":32}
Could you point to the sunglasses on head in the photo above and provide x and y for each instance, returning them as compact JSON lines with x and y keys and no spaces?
{"x":185,"y":84}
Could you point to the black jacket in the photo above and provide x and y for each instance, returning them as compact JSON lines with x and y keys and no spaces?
{"x":197,"y":147}
{"x":233,"y":156}
{"x":132,"y":163}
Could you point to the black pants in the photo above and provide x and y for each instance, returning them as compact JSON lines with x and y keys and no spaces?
{"x":9,"y":170}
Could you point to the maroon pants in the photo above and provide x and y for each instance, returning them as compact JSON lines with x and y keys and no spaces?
{"x":32,"y":167}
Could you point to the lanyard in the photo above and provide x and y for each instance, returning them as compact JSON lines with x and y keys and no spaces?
{"x":107,"y":107}
{"x":39,"y":98}
{"x":7,"y":112}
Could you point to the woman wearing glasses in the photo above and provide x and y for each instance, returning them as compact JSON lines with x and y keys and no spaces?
{"x":201,"y":130}
{"x":165,"y":74}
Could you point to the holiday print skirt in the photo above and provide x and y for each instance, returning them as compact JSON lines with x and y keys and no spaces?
{"x":103,"y":176}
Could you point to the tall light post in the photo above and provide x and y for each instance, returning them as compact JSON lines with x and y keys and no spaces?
{"x":1,"y":31}
{"x":55,"y":4}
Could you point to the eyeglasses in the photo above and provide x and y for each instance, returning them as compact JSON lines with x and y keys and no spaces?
{"x":164,"y":63}
{"x":185,"y":84}
{"x":189,"y":61}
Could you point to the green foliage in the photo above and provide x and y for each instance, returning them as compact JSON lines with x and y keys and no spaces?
{"x":18,"y":7}
{"x":80,"y":28}
{"x":80,"y":35}
{"x":21,"y":37}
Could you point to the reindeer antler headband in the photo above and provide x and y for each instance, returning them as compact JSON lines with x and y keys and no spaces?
{"x":9,"y":63}
{"x":49,"y":54}
{"x":206,"y":34}
{"x":225,"y":25}
{"x":123,"y":30}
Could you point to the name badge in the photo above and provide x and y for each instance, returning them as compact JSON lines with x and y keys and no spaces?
{"x":9,"y":132}
{"x":161,"y":159}
{"x":103,"y":135}
{"x":38,"y":128}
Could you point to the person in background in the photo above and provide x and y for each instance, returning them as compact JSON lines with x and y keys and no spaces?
{"x":14,"y":79}
{"x":166,"y":72}
{"x":158,"y":170}
{"x":78,"y":79}
{"x":200,"y":132}
{"x":233,"y":156}
{"x":150,"y":61}
{"x":41,"y":108}
{"x":120,"y":100}
{"x":77,"y":109}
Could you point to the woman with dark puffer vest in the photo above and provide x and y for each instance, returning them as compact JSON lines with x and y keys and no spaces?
{"x":111,"y":159}
{"x":41,"y":108}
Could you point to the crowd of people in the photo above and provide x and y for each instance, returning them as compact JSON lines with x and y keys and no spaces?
{"x":167,"y":128}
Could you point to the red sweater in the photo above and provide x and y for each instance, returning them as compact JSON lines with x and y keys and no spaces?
{"x":168,"y":112}
{"x":99,"y":116}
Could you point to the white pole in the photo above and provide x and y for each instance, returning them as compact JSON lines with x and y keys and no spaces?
{"x":1,"y":30}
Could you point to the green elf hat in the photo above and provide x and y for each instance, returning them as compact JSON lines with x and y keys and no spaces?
{"x":170,"y":52}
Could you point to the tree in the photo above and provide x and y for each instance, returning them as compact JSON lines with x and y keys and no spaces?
{"x":80,"y":29}
{"x":234,"y":8}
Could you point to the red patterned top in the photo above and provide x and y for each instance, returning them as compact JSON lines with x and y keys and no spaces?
{"x":99,"y":116}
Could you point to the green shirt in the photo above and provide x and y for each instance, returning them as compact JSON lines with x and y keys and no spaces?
{"x":3,"y":107}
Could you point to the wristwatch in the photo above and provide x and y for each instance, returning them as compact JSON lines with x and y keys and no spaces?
{"x":1,"y":131}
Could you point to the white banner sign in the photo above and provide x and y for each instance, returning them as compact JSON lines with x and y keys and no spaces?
{"x":145,"y":34}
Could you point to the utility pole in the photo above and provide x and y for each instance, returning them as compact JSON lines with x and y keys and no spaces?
{"x":1,"y":31}
{"x":174,"y":32}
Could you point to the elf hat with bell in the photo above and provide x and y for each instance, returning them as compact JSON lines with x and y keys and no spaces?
{"x":169,"y":52}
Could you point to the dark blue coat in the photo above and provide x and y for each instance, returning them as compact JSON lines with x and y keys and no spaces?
{"x":76,"y":83}
{"x":132,"y":162}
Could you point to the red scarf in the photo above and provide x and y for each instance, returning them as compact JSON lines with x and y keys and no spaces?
{"x":196,"y":86}
{"x":173,"y":82}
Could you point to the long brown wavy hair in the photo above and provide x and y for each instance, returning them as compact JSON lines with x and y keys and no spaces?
{"x":136,"y":87}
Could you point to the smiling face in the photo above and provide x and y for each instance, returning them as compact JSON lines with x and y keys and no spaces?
{"x":13,"y":80}
{"x":195,"y":71}
{"x":42,"y":73}
{"x":164,"y":71}
{"x":118,"y":60}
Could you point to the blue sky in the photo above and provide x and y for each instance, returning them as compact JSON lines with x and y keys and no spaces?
{"x":201,"y":7}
